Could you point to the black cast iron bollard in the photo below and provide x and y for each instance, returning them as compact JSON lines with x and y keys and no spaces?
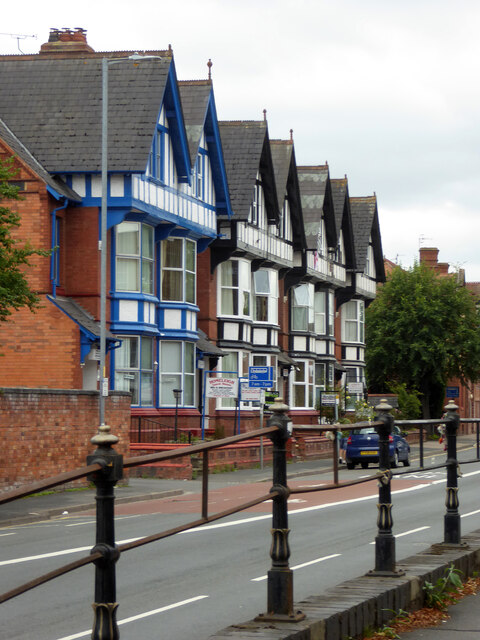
{"x":280,"y":576}
{"x":384,"y":541}
{"x":105,"y":606}
{"x":452,"y":517}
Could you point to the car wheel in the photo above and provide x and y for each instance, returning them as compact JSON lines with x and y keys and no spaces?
{"x":350,"y":464}
{"x":364,"y":464}
{"x":394,"y":460}
{"x":406,"y":462}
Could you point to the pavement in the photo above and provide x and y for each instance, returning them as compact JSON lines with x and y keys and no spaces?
{"x":463,"y":624}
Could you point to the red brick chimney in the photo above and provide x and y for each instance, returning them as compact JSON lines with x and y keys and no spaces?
{"x":66,"y":42}
{"x":429,"y":257}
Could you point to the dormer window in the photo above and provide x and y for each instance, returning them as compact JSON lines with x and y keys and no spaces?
{"x":198,"y":178}
{"x":257,"y":204}
{"x":156,"y":164}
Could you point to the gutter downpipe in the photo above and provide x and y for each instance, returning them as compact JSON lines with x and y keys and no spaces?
{"x":54,"y":244}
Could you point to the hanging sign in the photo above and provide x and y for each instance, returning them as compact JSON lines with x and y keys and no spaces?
{"x":222,"y":388}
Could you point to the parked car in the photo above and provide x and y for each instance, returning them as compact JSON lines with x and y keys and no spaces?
{"x":362,"y":448}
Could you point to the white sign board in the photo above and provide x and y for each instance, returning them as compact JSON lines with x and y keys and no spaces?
{"x":222,"y":388}
{"x":250,"y":394}
{"x":355,"y":387}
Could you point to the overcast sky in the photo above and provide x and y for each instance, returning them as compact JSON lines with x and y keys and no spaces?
{"x":386,"y":91}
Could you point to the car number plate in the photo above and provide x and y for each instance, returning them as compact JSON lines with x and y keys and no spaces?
{"x":369,"y":453}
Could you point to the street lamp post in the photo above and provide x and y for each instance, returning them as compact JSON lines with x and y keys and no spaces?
{"x":103,"y":226}
{"x":178,"y":394}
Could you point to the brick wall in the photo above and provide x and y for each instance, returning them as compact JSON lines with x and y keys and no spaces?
{"x":44,"y":432}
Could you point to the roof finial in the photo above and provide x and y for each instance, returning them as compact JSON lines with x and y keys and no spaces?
{"x":209,"y":65}
{"x":291,"y":135}
{"x":264,"y":115}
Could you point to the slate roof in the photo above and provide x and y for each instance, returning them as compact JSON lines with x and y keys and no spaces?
{"x":286,"y":181}
{"x":26,"y":157}
{"x":79,"y":315}
{"x":343,"y":218}
{"x":316,"y":198}
{"x":246,"y":151}
{"x":194,"y":95}
{"x":206,"y":346}
{"x":365,"y":224}
{"x":54,"y":107}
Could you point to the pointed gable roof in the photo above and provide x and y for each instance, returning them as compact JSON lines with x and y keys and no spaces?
{"x":56,"y":186}
{"x":317,"y":202}
{"x":365,"y":226}
{"x":343,"y":218}
{"x":54,"y":107}
{"x":195,"y":96}
{"x":246,"y":150}
{"x":200,"y":116}
{"x":286,"y":180}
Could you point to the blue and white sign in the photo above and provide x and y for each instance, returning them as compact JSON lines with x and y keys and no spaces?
{"x":260,"y":377}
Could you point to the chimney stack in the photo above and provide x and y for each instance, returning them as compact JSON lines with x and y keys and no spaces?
{"x":66,"y":42}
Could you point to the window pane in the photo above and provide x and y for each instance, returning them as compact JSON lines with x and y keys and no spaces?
{"x":171,"y":357}
{"x":261,"y":281}
{"x":172,"y":253}
{"x":261,"y":308}
{"x":147,"y":276}
{"x":351,"y":310}
{"x":259,"y":361}
{"x":320,"y":374}
{"x":188,"y":391}
{"x":127,"y":238}
{"x":229,"y":274}
{"x":189,"y":255}
{"x":127,"y":381}
{"x":128,"y":277}
{"x":189,"y":357}
{"x":300,"y":372}
{"x":320,"y":301}
{"x":300,"y":317}
{"x":299,"y":395}
{"x":229,"y":302}
{"x":189,"y":287}
{"x":229,"y":362}
{"x":172,"y":285}
{"x":147,"y":354}
{"x":147,"y":241}
{"x":147,"y":388}
{"x":301,"y":295}
{"x":351,"y":331}
{"x":126,"y":356}
{"x":246,"y":303}
{"x":169,"y":382}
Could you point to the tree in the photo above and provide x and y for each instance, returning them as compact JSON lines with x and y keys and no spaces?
{"x":14,"y":256}
{"x":421,"y":330}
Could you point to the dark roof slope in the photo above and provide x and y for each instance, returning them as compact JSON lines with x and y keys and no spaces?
{"x":79,"y":315}
{"x":246,"y":151}
{"x":316,"y":196}
{"x":54,"y":107}
{"x":365,"y":225}
{"x":343,"y":218}
{"x":286,"y":180}
{"x":25,"y":156}
{"x":194,"y":95}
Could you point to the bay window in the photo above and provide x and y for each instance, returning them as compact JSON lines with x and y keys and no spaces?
{"x":178,"y":270}
{"x":353,"y":316}
{"x":134,"y":257}
{"x":320,"y":303}
{"x":331,"y":313}
{"x":177,"y":371}
{"x":302,"y":308}
{"x":235,"y":288}
{"x":265,"y":291}
{"x":303,"y":384}
{"x":134,"y":368}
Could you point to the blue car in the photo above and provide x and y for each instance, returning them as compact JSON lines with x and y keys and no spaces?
{"x":362,"y":448}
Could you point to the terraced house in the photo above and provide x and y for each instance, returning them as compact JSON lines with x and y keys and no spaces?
{"x":222,"y":253}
